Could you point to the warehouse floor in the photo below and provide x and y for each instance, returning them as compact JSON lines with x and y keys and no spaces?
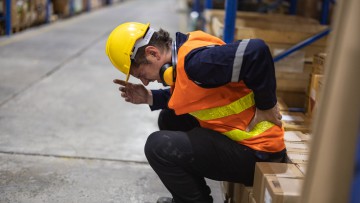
{"x":66,"y":135}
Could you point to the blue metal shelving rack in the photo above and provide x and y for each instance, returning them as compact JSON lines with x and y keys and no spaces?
{"x":230,"y":17}
{"x":6,"y":16}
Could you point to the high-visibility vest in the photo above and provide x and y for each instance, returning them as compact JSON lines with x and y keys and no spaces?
{"x":227,"y":109}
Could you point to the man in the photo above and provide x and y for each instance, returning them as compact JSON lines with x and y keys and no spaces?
{"x":219,"y":116}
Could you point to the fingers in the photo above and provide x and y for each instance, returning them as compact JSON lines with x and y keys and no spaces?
{"x":120,"y":82}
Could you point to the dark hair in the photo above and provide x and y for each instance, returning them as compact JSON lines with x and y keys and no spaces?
{"x":160,"y":39}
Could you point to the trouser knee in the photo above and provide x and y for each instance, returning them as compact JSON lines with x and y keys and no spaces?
{"x":168,"y":146}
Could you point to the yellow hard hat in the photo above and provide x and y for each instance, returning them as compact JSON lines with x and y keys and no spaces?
{"x":123,"y":43}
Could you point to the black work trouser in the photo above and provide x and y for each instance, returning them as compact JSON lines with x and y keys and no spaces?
{"x":183,"y":154}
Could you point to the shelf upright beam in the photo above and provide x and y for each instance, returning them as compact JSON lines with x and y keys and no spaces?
{"x":47,"y":11}
{"x":209,"y":4}
{"x":325,"y":12}
{"x":8,"y":17}
{"x":293,"y":6}
{"x":88,"y":6}
{"x":196,"y":6}
{"x":230,"y":19}
{"x":72,"y":7}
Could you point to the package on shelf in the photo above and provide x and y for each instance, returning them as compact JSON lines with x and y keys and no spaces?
{"x":242,"y":194}
{"x":38,"y":7}
{"x":282,"y":190}
{"x":301,"y":146}
{"x":292,"y":86}
{"x":296,"y":136}
{"x":315,"y":87}
{"x":277,"y":30}
{"x":296,"y":121}
{"x":264,"y":169}
{"x":319,"y":63}
{"x":281,"y":104}
{"x":293,"y":81}
{"x":297,"y":157}
{"x":293,"y":99}
{"x":96,"y":3}
{"x":302,"y":167}
{"x":61,"y":7}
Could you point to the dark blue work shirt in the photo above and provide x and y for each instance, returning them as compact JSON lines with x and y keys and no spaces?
{"x":247,"y":60}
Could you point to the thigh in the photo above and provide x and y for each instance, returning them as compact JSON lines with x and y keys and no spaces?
{"x":220,"y":158}
{"x":168,"y":120}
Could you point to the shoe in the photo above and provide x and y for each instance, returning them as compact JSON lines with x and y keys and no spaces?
{"x":165,"y":200}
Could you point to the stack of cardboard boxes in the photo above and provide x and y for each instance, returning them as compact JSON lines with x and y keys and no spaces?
{"x":316,"y":83}
{"x":280,"y":32}
{"x":275,"y":182}
{"x":27,"y":13}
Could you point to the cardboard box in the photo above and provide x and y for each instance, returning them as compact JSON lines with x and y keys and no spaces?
{"x":281,"y":104}
{"x":302,"y":167}
{"x":297,"y":146}
{"x":304,"y":136}
{"x":264,"y":169}
{"x":292,"y":136}
{"x":314,"y":92}
{"x":319,"y":63}
{"x":252,"y":199}
{"x":61,"y":7}
{"x":282,"y":190}
{"x":277,"y":30}
{"x":296,"y":121}
{"x":296,"y":136}
{"x":297,"y":157}
{"x":242,"y":194}
{"x":293,"y":99}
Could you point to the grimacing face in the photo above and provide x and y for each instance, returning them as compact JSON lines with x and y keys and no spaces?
{"x":147,"y":73}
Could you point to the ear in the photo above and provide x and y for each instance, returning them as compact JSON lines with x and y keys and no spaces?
{"x":152,"y":51}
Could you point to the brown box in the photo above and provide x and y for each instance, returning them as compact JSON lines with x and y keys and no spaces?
{"x":319,"y":63}
{"x":296,"y":136}
{"x":297,"y":146}
{"x":302,"y":167}
{"x":264,"y":169}
{"x":296,"y":121}
{"x":282,"y":190}
{"x":281,"y":104}
{"x":242,"y":194}
{"x":277,"y":30}
{"x":61,"y":7}
{"x":314,"y":92}
{"x":297,"y":157}
{"x":292,"y":98}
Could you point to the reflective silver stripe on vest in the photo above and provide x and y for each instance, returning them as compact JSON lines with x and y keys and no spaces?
{"x":239,"y":55}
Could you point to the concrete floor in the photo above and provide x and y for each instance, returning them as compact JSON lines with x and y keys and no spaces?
{"x":66,"y":135}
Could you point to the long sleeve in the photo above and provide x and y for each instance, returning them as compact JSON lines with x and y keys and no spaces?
{"x":246,"y":60}
{"x":160,"y":99}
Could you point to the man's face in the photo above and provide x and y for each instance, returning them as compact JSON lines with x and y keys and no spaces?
{"x":147,"y":72}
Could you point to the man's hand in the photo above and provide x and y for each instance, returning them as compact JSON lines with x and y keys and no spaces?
{"x":272,"y":115}
{"x":134,"y":93}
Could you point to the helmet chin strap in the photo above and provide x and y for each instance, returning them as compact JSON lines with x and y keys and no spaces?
{"x":168,"y":71}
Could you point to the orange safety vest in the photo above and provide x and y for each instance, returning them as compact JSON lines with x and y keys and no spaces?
{"x":227,"y":109}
